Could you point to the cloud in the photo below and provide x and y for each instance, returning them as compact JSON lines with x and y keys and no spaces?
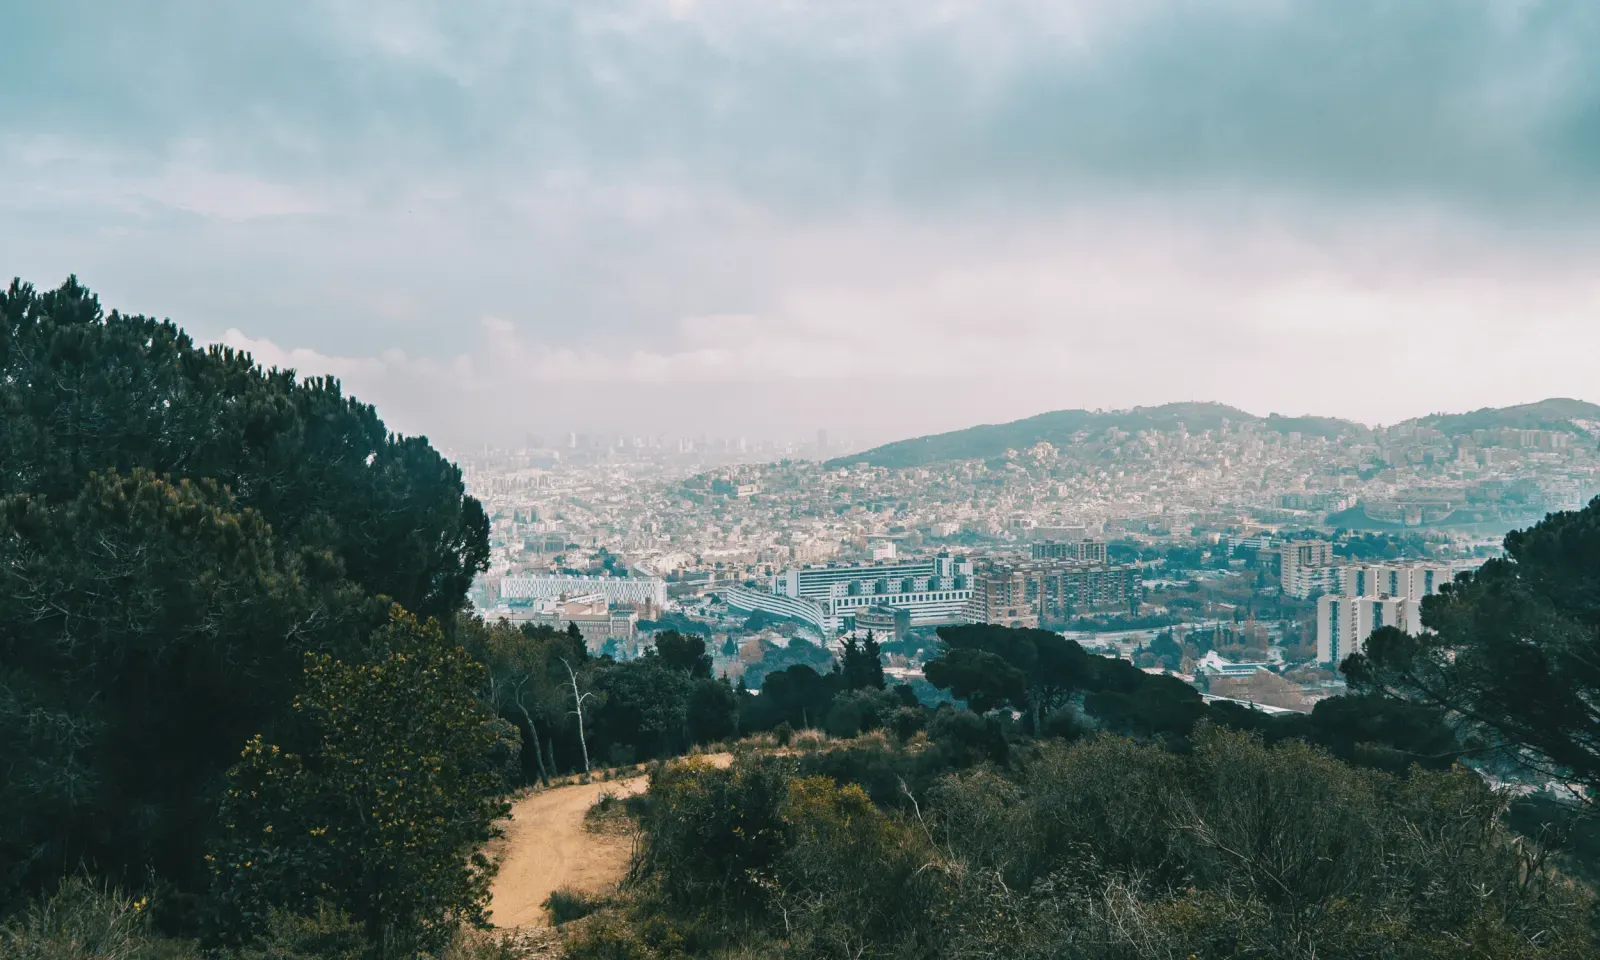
{"x":1065,"y":317}
{"x":900,"y":214}
{"x":1483,"y":102}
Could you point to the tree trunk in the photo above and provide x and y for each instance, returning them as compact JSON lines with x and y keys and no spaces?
{"x":577,"y":708}
{"x":533,"y":734}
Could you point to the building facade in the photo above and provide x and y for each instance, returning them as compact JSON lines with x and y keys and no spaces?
{"x":1302,"y":567}
{"x":590,"y":613}
{"x":1411,"y":581}
{"x":1345,"y":623}
{"x":932,"y":590}
{"x":1369,"y":596}
{"x":885,"y":623}
{"x":645,"y":592}
{"x":1026,"y":593}
{"x":752,"y":599}
{"x":1085,"y":551}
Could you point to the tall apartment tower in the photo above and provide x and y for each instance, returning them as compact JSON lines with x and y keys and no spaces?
{"x":1307,"y":566}
{"x":1022,"y":593}
{"x":1345,"y":623}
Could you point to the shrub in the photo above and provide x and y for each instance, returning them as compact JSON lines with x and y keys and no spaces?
{"x":857,"y":711}
{"x":609,"y":937}
{"x":906,"y":721}
{"x":783,"y":734}
{"x":567,"y":904}
{"x":322,"y":933}
{"x":713,"y":837}
{"x":967,"y":738}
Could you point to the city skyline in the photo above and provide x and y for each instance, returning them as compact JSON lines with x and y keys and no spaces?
{"x":764,"y":219}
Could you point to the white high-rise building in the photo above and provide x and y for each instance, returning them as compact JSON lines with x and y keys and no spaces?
{"x":1412,"y":581}
{"x":1345,"y":623}
{"x":1304,"y":567}
{"x":1364,"y":597}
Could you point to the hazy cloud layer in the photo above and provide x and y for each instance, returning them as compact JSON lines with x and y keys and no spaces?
{"x":882,"y":216}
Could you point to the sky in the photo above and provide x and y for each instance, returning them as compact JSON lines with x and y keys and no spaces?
{"x":879,"y":217}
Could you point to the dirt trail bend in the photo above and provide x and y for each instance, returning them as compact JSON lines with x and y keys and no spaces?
{"x":547,"y":846}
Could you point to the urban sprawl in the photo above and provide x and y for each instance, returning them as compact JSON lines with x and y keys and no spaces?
{"x":1246,"y":558}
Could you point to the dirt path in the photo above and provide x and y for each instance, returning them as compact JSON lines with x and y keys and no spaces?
{"x":547,"y":846}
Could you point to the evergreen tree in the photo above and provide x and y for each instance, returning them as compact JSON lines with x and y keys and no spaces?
{"x":178,"y":527}
{"x":1513,"y":650}
{"x":861,"y":663}
{"x":685,"y":653}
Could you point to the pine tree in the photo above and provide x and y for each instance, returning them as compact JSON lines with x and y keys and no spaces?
{"x":861,"y":664}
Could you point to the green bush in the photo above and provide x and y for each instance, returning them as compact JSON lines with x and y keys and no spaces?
{"x":713,"y":837}
{"x":321,"y":933}
{"x":856,"y":711}
{"x":567,"y":904}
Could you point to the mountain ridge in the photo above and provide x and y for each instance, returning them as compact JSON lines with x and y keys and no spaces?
{"x":1060,"y":426}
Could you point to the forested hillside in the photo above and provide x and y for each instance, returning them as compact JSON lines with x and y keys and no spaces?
{"x":1553,"y":414}
{"x":1059,"y":427}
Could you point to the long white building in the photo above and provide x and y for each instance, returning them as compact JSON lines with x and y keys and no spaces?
{"x":750,"y":600}
{"x":640,"y":591}
{"x":932,"y":590}
{"x":1413,"y":581}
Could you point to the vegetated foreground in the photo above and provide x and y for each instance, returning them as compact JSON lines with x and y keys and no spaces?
{"x":548,"y":846}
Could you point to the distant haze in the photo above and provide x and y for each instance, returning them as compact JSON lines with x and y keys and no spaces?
{"x":885,"y":218}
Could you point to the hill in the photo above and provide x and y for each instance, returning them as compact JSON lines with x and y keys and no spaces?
{"x":1060,"y":426}
{"x":1557,"y":413}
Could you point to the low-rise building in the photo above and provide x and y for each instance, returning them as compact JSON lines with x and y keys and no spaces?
{"x":884,"y":622}
{"x":591,"y":613}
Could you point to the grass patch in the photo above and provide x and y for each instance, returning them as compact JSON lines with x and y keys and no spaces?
{"x":83,"y":921}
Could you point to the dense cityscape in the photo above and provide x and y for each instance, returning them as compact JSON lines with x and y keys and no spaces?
{"x":1239,"y":554}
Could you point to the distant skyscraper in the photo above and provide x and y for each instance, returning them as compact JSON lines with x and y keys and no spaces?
{"x":822,"y":443}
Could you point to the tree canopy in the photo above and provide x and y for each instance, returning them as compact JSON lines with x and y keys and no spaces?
{"x":377,"y":802}
{"x":1513,"y":649}
{"x":179,"y":528}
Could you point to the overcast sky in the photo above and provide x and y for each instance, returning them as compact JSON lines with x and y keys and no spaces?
{"x":881,"y":217}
